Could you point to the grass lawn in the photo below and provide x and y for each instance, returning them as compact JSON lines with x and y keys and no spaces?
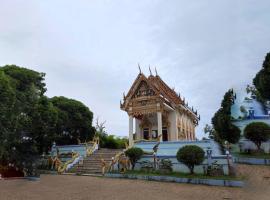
{"x":183,"y":175}
{"x":253,"y":155}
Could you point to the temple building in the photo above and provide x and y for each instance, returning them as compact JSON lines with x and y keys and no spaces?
{"x":159,"y":112}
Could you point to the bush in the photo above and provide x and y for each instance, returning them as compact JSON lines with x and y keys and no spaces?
{"x":147,"y":166}
{"x":165,"y":166}
{"x":190,"y":155}
{"x":134,"y":154}
{"x":257,"y":132}
{"x":112,"y":142}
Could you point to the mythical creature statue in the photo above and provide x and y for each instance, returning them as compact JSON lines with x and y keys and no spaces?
{"x":123,"y":164}
{"x":103,"y":166}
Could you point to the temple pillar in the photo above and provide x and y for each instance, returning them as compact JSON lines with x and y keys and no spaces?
{"x":130,"y":130}
{"x":159,"y":119}
{"x":137,"y":129}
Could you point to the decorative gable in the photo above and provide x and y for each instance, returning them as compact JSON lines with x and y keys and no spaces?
{"x":143,"y":90}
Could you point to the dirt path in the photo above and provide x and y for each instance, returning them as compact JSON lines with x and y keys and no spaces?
{"x":83,"y":188}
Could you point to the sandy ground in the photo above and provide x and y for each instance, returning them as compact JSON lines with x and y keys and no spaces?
{"x":67,"y":187}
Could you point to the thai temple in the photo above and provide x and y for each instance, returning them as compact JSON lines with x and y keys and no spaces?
{"x":160,"y":122}
{"x":158,"y":111}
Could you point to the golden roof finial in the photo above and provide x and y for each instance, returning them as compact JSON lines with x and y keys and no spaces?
{"x":150,"y":71}
{"x":139,"y":68}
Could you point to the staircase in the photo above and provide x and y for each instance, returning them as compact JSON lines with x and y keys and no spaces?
{"x":92,"y":164}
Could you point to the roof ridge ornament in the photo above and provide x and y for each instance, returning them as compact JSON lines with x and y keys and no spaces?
{"x":150,"y":71}
{"x":139,"y":68}
{"x":156,"y":71}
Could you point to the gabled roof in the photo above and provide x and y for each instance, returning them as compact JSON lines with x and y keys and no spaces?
{"x":141,"y":77}
{"x":159,"y":87}
{"x":165,"y":90}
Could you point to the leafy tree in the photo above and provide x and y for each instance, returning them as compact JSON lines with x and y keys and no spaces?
{"x":7,"y":101}
{"x":224,"y":129}
{"x":134,"y":155}
{"x":74,"y":121}
{"x":108,"y":141}
{"x":257,"y":132}
{"x":30,"y":122}
{"x":262,"y":79}
{"x":190,"y":155}
{"x":24,"y":88}
{"x":44,"y":124}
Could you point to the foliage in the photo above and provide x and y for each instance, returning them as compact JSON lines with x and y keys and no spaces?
{"x":74,"y":121}
{"x":21,"y":90}
{"x":224,"y":129}
{"x":30,"y":122}
{"x":44,"y":124}
{"x":262,"y":79}
{"x":190,"y":155}
{"x":257,"y":132}
{"x":109,"y":141}
{"x":165,"y":166}
{"x":134,"y":154}
{"x":147,"y":166}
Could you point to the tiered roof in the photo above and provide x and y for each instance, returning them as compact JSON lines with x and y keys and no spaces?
{"x":161,"y":89}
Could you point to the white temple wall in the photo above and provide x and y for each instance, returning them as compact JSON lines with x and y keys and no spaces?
{"x":138,"y":130}
{"x":173,"y":132}
{"x":186,"y":125}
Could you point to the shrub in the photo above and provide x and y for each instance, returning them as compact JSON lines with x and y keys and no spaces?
{"x":190,"y":155}
{"x":134,"y":154}
{"x":165,"y":166}
{"x":257,"y":132}
{"x":112,"y":142}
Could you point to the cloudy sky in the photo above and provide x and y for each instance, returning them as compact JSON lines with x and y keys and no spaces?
{"x":89,"y":50}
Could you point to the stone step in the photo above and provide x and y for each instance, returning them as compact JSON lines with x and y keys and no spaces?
{"x":92,"y":164}
{"x":89,"y":170}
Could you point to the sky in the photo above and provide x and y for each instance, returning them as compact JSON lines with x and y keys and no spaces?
{"x":90,"y":50}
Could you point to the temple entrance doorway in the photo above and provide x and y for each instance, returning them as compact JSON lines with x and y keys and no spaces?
{"x":146,"y":134}
{"x":164,"y":134}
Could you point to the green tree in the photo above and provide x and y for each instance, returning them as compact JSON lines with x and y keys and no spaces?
{"x":134,"y":154}
{"x":44,"y":124}
{"x":262,"y":79}
{"x":74,"y":121}
{"x":190,"y":155}
{"x":7,"y":102}
{"x":30,"y":122}
{"x":257,"y":132}
{"x":27,"y":87}
{"x":224,"y":129}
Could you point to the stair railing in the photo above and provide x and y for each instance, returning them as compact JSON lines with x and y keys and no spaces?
{"x":63,"y":166}
{"x":116,"y":158}
{"x":94,"y":147}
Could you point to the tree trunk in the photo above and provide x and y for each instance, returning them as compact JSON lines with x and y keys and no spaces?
{"x":258,"y":144}
{"x":191,"y":168}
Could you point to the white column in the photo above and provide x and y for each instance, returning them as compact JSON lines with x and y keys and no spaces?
{"x":159,"y":118}
{"x":130,"y":130}
{"x":137,"y":129}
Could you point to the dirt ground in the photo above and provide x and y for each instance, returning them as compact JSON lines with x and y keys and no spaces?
{"x":67,"y":187}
